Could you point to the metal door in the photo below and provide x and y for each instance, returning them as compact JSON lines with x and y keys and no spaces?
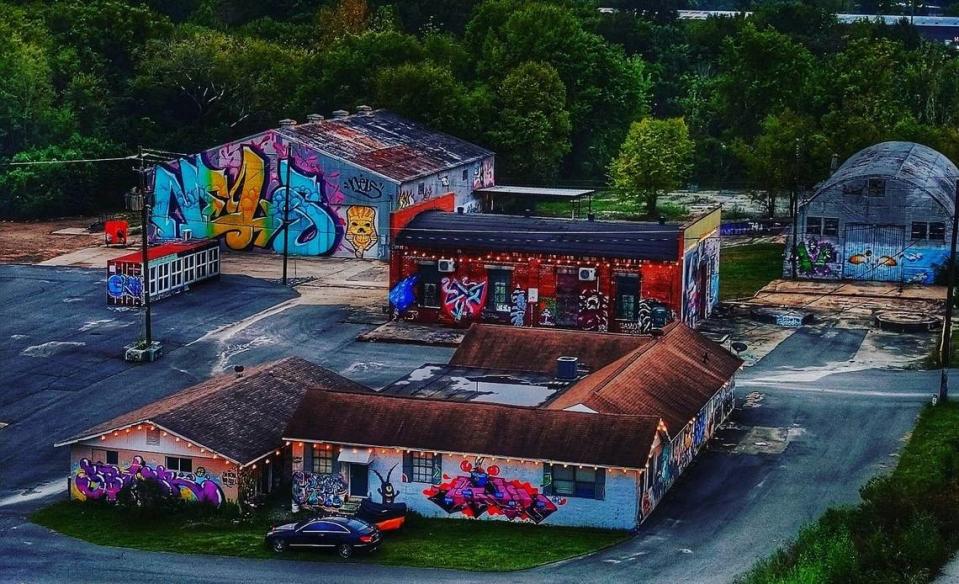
{"x":359,"y":480}
{"x":873,"y":252}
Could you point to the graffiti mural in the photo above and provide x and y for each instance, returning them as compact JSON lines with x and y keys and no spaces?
{"x":314,"y":228}
{"x":547,"y":312}
{"x":122,"y":285}
{"x":98,"y":481}
{"x":405,"y":199}
{"x":593,"y":312}
{"x":365,"y":186}
{"x":403,"y":295}
{"x":517,"y":313}
{"x":482,"y":491}
{"x":701,"y":280}
{"x":463,"y":299}
{"x":318,"y":490}
{"x":361,"y":229}
{"x":816,"y":259}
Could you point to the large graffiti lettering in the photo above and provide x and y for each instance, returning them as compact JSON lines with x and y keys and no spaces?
{"x":98,"y":481}
{"x":236,"y":203}
{"x":463,"y":299}
{"x":365,"y":186}
{"x":701,"y":280}
{"x":122,"y":285}
{"x":593,"y":311}
{"x":361,"y":229}
{"x":318,"y":490}
{"x":482,"y":491}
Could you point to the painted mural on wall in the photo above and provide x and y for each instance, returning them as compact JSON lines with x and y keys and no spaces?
{"x":124,"y":286}
{"x":99,"y":481}
{"x":403,"y":294}
{"x":463,"y":299}
{"x":816,"y":258}
{"x":701,"y":280}
{"x":518,"y":304}
{"x":593,"y":311}
{"x":650,"y":315}
{"x":922,"y":265}
{"x":238,"y":193}
{"x":482,"y":491}
{"x":318,"y":490}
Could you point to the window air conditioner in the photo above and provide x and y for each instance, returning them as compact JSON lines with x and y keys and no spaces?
{"x":446,"y":266}
{"x":587,"y":274}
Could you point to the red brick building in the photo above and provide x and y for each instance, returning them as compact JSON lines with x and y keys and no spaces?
{"x":615,"y":276}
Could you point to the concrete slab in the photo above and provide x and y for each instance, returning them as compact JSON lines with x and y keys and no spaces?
{"x":90,"y":257}
{"x":73,"y":231}
{"x":863,"y":299}
{"x":400,"y":331}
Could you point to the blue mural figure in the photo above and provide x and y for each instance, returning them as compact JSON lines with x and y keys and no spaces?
{"x":314,"y":227}
{"x":403,"y":294}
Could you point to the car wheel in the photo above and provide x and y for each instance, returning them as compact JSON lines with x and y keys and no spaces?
{"x":345,"y":550}
{"x":279,"y":545}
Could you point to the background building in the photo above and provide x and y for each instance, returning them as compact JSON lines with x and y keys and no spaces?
{"x":349,"y":173}
{"x":884,"y":215}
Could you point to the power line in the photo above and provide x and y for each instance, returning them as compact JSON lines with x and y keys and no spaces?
{"x":72,"y":161}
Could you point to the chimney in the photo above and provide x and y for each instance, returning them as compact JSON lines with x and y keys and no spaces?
{"x":340,"y":114}
{"x":833,"y":163}
{"x":364,"y":110}
{"x":314,"y":118}
{"x":287,"y":123}
{"x":566,"y":368}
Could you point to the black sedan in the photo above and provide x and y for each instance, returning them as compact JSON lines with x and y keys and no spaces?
{"x":344,"y":534}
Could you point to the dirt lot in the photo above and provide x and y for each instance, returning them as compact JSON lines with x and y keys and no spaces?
{"x":34,"y":241}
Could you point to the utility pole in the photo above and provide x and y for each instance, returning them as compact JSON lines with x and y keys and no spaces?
{"x":144,"y":228}
{"x":795,"y":212}
{"x":286,"y":210}
{"x":945,"y":356}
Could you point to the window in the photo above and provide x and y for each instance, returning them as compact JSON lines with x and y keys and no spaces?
{"x":830,"y":226}
{"x":214,"y":261}
{"x":179,"y":464}
{"x":814,"y":225}
{"x":423,"y":467}
{"x":420,"y":189}
{"x":567,"y":296}
{"x":105,"y":456}
{"x":325,"y":527}
{"x":627,"y":297}
{"x":429,"y":285}
{"x":571,"y":481}
{"x":919,"y":229}
{"x":875,"y":187}
{"x":188,"y":271}
{"x":465,"y":174}
{"x":937,"y":231}
{"x":178,"y":272}
{"x":201,"y":265}
{"x":498,"y":295}
{"x":113,"y":457}
{"x":322,"y":461}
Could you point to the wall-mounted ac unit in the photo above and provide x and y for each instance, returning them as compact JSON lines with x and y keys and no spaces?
{"x":587,"y":274}
{"x":445,"y":266}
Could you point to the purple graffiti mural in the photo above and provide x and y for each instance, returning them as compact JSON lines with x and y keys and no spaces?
{"x":96,"y":481}
{"x":463,"y":299}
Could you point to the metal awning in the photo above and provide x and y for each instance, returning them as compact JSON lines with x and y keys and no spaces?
{"x":557,"y":192}
{"x":355,"y":455}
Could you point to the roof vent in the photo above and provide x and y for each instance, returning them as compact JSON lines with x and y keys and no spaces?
{"x":314,"y":118}
{"x":287,"y":123}
{"x":364,"y":110}
{"x":239,"y":370}
{"x":662,"y":220}
{"x":566,"y":368}
{"x":340,"y":114}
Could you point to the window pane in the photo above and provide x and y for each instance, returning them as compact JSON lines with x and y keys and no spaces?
{"x":875,"y":187}
{"x":918,"y":230}
{"x":172,"y":463}
{"x":498,"y":295}
{"x":564,"y":487}
{"x":830,"y":227}
{"x":563,"y":474}
{"x":586,"y":475}
{"x":937,"y":231}
{"x":113,"y":457}
{"x":814,"y":225}
{"x":587,"y":490}
{"x":422,"y":467}
{"x":186,"y":465}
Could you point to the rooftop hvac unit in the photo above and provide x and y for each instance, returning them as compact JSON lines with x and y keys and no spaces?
{"x":186,"y":234}
{"x":446,"y":266}
{"x":566,"y":368}
{"x":587,"y":274}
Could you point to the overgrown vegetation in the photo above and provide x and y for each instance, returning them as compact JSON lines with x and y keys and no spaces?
{"x":552,"y":86}
{"x":437,"y":543}
{"x":903,"y":530}
{"x":746,"y":269}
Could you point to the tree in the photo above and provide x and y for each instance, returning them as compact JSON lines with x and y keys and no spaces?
{"x":654,"y":158}
{"x":426,"y":92}
{"x":532,"y":133}
{"x":345,"y":17}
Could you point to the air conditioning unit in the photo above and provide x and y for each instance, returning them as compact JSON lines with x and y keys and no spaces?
{"x":186,"y":234}
{"x":445,"y":266}
{"x":587,"y":274}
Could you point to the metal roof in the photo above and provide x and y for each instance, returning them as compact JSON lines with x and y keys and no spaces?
{"x":381,"y":141}
{"x":622,"y":239}
{"x":536,"y":191}
{"x":920,"y":166}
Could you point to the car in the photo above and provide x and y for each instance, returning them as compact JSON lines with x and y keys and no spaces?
{"x":344,"y":534}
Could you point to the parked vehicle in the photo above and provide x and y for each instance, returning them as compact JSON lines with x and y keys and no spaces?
{"x":385,"y":516}
{"x":344,"y":534}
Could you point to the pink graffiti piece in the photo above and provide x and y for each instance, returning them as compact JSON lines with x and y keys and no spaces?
{"x":481,"y":493}
{"x":105,"y":481}
{"x":463,"y":298}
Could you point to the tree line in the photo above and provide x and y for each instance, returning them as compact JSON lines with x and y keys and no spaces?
{"x":561,"y":91}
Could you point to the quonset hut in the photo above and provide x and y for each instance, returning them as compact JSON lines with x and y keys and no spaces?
{"x":884,"y":215}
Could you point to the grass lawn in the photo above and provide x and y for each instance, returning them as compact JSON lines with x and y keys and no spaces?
{"x":744,"y":269}
{"x":433,"y":543}
{"x":905,"y":528}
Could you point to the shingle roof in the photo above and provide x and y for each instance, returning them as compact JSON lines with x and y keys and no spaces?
{"x":918,"y":165}
{"x":386,"y":143}
{"x":385,"y":421}
{"x":622,"y":239}
{"x":672,"y":377}
{"x":490,"y":346}
{"x":240,"y":418}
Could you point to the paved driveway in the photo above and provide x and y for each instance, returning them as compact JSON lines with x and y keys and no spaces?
{"x":806,"y":437}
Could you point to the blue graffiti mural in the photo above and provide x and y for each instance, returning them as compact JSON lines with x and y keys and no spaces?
{"x":403,"y":294}
{"x":120,"y":285}
{"x":314,"y":229}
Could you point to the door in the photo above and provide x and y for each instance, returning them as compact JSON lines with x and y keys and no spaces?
{"x":359,"y":480}
{"x":873,"y":252}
